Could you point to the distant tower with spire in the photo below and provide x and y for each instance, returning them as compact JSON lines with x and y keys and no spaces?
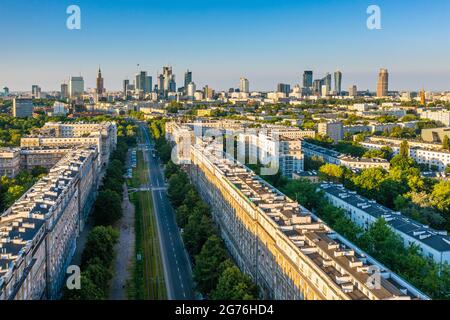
{"x":423,"y":99}
{"x":100,"y":87}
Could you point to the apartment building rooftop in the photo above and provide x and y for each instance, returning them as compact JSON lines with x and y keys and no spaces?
{"x":20,"y":223}
{"x":438,"y":240}
{"x":325,"y":151}
{"x":346,"y":266}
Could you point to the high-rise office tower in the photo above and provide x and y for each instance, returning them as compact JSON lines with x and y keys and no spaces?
{"x":167,"y":73}
{"x":64,"y":91}
{"x":383,"y":83}
{"x":143,"y":82}
{"x":172,"y":84}
{"x":161,"y":84}
{"x":283,"y":87}
{"x":148,"y":84}
{"x":244,"y":85}
{"x":126,"y":83}
{"x":208,"y":92}
{"x":352,"y":91}
{"x":76,"y":87}
{"x":307,"y":79}
{"x":187,"y":79}
{"x":36,"y":91}
{"x":327,"y":81}
{"x":6,"y":91}
{"x":324,"y":91}
{"x":100,"y":87}
{"x":317,"y":86}
{"x":22,"y":108}
{"x":191,"y":89}
{"x":338,"y":82}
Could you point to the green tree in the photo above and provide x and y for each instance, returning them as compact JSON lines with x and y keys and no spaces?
{"x":100,"y":246}
{"x":404,"y":149}
{"x":178,"y":184}
{"x":99,"y":274}
{"x":381,"y":242}
{"x":332,"y":172}
{"x":198,"y":229}
{"x":170,"y":169}
{"x":88,"y":291}
{"x":303,"y":191}
{"x":207,"y":264}
{"x":234,"y":285}
{"x":441,"y":196}
{"x":108,"y":207}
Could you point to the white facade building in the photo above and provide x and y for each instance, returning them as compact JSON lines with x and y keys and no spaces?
{"x":437,"y":115}
{"x":433,"y":244}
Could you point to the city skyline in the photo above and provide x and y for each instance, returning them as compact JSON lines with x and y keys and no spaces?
{"x":272,"y":43}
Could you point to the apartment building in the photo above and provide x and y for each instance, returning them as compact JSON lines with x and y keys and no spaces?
{"x":38,"y":232}
{"x":9,"y":162}
{"x":332,"y":129}
{"x":439,"y":115}
{"x":432,"y":244}
{"x":270,"y":148}
{"x":279,"y":146}
{"x":46,"y":157}
{"x":67,"y":135}
{"x":411,"y":143}
{"x":437,"y":159}
{"x":378,"y":127}
{"x":288,"y":252}
{"x":22,"y":107}
{"x":334,"y":157}
{"x":181,"y":137}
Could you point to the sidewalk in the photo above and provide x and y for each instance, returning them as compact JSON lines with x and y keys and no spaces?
{"x":124,"y":250}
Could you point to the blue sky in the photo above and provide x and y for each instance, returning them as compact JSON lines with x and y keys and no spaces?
{"x":266,"y":41}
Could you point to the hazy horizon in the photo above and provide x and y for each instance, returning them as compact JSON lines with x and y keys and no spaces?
{"x":265,"y":41}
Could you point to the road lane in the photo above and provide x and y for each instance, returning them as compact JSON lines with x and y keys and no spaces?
{"x":177,"y":268}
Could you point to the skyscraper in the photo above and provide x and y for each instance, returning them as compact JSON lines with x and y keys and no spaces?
{"x":383,"y":82}
{"x":191,"y":89}
{"x":143,"y":83}
{"x":76,"y":87}
{"x":244,"y":85}
{"x":100,"y":87}
{"x":208,"y":92}
{"x":285,"y":88}
{"x":327,"y":81}
{"x":167,"y":73}
{"x":35,"y":91}
{"x":148,"y":84}
{"x":187,"y":79}
{"x":6,"y":91}
{"x":338,"y":82}
{"x":64,"y":91}
{"x":352,"y":91}
{"x":126,"y":83}
{"x":161,"y":84}
{"x":307,"y":79}
{"x":172,"y":84}
{"x":317,"y":86}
